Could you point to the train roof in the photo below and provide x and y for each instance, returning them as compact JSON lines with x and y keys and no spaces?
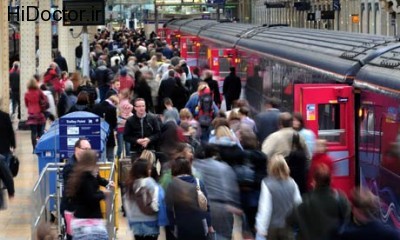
{"x":335,"y":53}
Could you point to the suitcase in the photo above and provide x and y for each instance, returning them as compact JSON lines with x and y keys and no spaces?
{"x":124,"y":167}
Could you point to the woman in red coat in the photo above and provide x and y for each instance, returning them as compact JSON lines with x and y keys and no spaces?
{"x":36,"y":118}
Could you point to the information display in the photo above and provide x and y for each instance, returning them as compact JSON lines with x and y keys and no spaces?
{"x":83,"y":13}
{"x":71,"y":129}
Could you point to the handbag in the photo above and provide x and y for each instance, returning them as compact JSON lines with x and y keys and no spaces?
{"x":14,"y":165}
{"x":201,"y":198}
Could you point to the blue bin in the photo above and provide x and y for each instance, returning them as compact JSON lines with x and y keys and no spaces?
{"x":48,"y":147}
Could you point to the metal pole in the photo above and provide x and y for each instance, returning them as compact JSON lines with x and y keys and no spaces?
{"x":85,"y":50}
{"x":155,"y":15}
{"x":218,"y":14}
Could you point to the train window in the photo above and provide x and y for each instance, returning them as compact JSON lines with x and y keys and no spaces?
{"x":189,"y":44}
{"x":329,"y":123}
{"x":224,"y":65}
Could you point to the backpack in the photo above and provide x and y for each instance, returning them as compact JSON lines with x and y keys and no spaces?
{"x":297,"y":162}
{"x":143,"y":198}
{"x":245,"y":173}
{"x":205,"y":110}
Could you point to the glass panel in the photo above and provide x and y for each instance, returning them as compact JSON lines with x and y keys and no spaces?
{"x":329,"y":123}
{"x":224,"y":64}
{"x":190,"y":46}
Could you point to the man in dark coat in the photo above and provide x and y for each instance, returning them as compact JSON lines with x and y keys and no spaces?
{"x":102,"y":78}
{"x":7,"y":181}
{"x":7,"y":137}
{"x":15,"y":88}
{"x":166,"y":88}
{"x":267,"y":121}
{"x":142,"y":130}
{"x":61,"y":62}
{"x":325,"y":204}
{"x":78,"y":55}
{"x":232,"y":87}
{"x":108,"y":111}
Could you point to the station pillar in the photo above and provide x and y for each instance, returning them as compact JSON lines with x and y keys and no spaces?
{"x":4,"y":52}
{"x":67,"y":42}
{"x":45,"y":39}
{"x":27,"y":55}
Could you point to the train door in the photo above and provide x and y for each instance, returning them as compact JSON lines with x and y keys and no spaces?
{"x":190,"y":50}
{"x":161,"y":32}
{"x":328,"y":110}
{"x":221,"y":60}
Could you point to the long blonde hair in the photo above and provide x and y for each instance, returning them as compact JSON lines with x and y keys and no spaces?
{"x":278,"y":167}
{"x":149,"y":156}
{"x":223,"y":131}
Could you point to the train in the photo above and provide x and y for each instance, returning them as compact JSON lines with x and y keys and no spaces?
{"x":346,"y":85}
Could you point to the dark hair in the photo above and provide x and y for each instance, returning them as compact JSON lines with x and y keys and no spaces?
{"x":140,"y":169}
{"x":78,"y":142}
{"x":83,"y":97}
{"x":181,"y":166}
{"x":248,"y":139}
{"x":232,"y":69}
{"x":274,"y":102}
{"x":196,"y":71}
{"x":322,"y":176}
{"x":137,"y":100}
{"x":168,"y":101}
{"x":244,"y":110}
{"x":299,"y":118}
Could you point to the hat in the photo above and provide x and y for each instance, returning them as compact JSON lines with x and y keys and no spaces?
{"x":123,"y":72}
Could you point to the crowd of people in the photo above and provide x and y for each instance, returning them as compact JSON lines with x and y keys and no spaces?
{"x":266,"y":168}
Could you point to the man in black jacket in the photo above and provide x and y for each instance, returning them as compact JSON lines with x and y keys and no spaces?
{"x":108,"y":111}
{"x":15,"y":88}
{"x":142,"y":130}
{"x":102,"y":78}
{"x":7,"y":136}
{"x":232,"y":87}
{"x":61,"y":62}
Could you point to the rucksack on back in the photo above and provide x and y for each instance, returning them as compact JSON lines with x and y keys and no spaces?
{"x":143,"y":198}
{"x":205,"y":110}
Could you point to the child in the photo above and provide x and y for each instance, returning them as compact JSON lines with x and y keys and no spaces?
{"x":320,"y":157}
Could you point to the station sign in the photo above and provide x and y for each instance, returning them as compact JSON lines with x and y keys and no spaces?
{"x":72,"y":129}
{"x":83,"y":13}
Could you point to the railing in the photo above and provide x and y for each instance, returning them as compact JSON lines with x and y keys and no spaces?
{"x":44,"y":198}
{"x":111,"y":204}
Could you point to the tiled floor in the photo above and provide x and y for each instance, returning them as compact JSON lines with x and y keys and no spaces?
{"x":15,"y":221}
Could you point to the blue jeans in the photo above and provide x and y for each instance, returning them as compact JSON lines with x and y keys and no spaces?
{"x":103,"y":91}
{"x":7,"y":157}
{"x":145,"y":228}
{"x":120,"y":144}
